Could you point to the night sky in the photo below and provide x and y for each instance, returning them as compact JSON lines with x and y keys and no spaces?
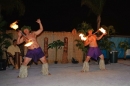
{"x":65,"y":15}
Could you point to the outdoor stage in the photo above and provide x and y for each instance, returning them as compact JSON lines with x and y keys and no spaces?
{"x":117,"y":74}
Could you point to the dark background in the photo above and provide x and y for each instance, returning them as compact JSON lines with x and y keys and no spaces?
{"x":65,"y":15}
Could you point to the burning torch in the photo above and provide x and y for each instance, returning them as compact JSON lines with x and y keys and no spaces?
{"x":85,"y":38}
{"x":15,"y":27}
{"x":101,"y":30}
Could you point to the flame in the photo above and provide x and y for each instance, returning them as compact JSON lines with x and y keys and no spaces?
{"x":28,"y":44}
{"x":82,"y":37}
{"x":102,"y":30}
{"x":14,"y":25}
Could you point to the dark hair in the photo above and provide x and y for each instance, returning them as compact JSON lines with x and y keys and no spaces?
{"x":14,"y":40}
{"x":26,"y":27}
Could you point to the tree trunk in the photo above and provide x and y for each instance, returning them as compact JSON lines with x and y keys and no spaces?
{"x":98,"y":21}
{"x":56,"y":55}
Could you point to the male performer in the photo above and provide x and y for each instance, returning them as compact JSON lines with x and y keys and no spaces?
{"x":34,"y":51}
{"x":93,"y":51}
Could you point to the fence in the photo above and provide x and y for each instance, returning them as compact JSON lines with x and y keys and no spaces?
{"x":73,"y":51}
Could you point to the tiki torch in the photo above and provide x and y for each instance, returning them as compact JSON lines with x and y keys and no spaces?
{"x":15,"y":27}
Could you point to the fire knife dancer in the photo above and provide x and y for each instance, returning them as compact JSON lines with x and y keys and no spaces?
{"x":93,"y":50}
{"x":34,"y":50}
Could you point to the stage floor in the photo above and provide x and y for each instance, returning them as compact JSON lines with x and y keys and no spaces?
{"x":116,"y":74}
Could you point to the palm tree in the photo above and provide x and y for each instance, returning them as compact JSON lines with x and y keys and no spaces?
{"x":57,"y":45}
{"x":10,"y":6}
{"x":105,"y":44}
{"x":82,"y":28}
{"x":80,"y":45}
{"x":96,"y":7}
{"x":124,"y":45}
{"x":4,"y":42}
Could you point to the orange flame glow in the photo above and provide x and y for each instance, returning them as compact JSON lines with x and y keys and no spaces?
{"x":102,"y":30}
{"x":82,"y":37}
{"x":14,"y":25}
{"x":28,"y":44}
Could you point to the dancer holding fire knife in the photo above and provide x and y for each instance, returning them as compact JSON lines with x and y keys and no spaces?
{"x":34,"y":50}
{"x":93,"y":51}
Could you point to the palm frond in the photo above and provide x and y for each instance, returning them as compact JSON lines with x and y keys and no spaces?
{"x":106,"y":44}
{"x":124,"y":45}
{"x":80,"y":45}
{"x":110,"y":29}
{"x":56,"y":44}
{"x":83,"y":28}
{"x":4,"y":37}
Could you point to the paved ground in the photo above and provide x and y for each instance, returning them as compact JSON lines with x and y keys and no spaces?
{"x":117,"y":74}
